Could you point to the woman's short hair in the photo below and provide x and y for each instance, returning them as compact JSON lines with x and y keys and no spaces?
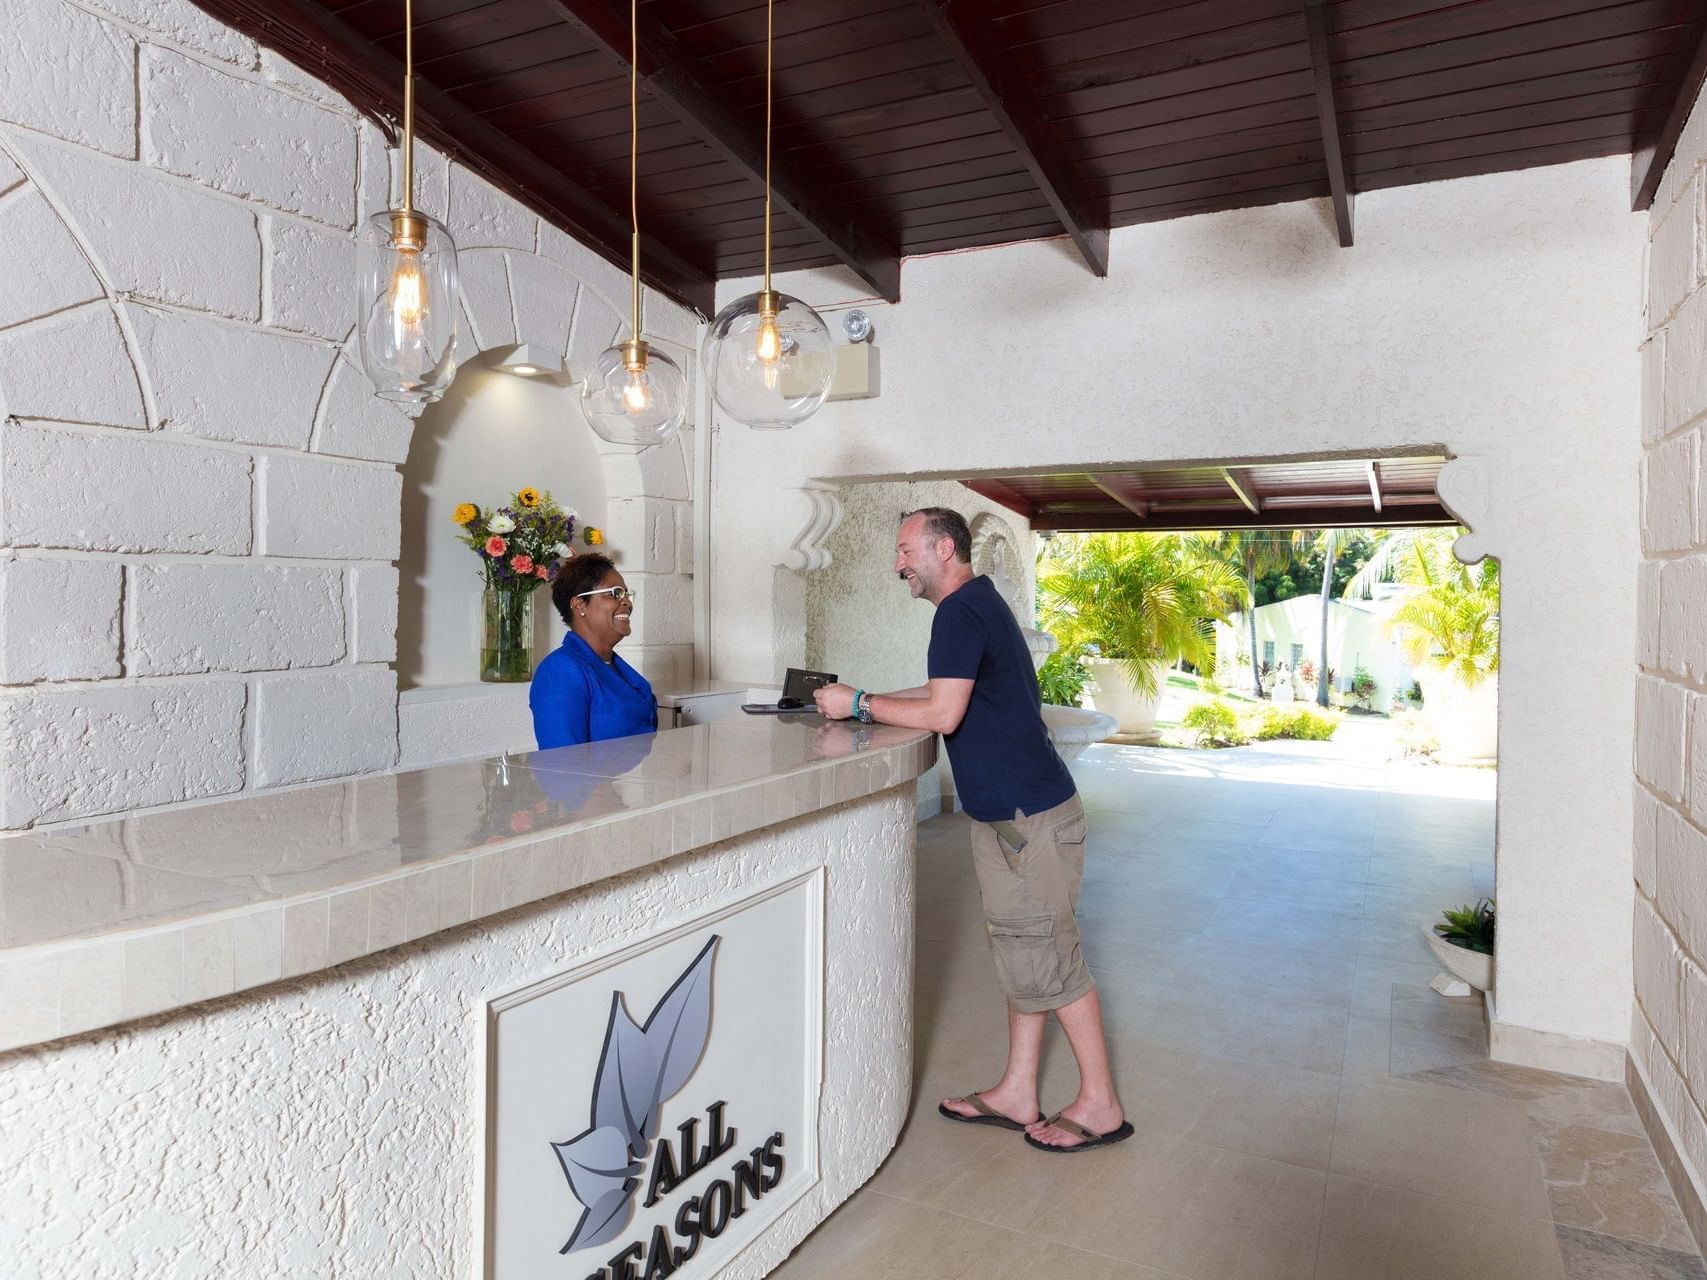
{"x":576,"y":575}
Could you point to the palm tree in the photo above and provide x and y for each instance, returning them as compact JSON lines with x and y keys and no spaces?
{"x":1328,"y":543}
{"x":1448,"y":617}
{"x":1254,"y":553}
{"x":1141,"y":598}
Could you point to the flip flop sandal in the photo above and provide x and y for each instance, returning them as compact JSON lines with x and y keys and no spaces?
{"x":1086,"y":1137}
{"x":985,"y":1114}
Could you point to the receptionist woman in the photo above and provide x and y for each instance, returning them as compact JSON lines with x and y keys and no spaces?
{"x":583,"y":692}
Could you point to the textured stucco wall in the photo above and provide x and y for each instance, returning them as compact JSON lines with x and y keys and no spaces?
{"x":861,"y":621}
{"x":1669,"y":1024}
{"x":1496,"y":318}
{"x":327,"y":1127}
{"x":190,"y":455}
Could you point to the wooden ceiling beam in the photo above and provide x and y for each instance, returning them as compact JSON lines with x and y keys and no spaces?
{"x":1653,"y":153}
{"x":1374,"y":485}
{"x":306,"y":33}
{"x":966,"y":29}
{"x":1121,"y":490}
{"x":1360,"y":517}
{"x":672,"y":76}
{"x":1322,"y":68}
{"x":998,"y":492}
{"x":1239,"y":481}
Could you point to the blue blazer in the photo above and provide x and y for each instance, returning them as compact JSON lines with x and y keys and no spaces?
{"x":577,"y":697}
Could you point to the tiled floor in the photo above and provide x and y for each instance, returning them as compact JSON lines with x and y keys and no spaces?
{"x":1306,"y":1107}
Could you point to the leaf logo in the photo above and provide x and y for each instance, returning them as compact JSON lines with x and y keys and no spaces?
{"x":640,"y":1068}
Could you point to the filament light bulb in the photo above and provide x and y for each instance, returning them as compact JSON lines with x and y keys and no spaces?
{"x":408,"y":291}
{"x":637,"y":393}
{"x":768,"y":345}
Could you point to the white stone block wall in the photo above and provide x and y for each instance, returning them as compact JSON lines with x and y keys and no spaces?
{"x":1669,"y":1032}
{"x":199,"y":495}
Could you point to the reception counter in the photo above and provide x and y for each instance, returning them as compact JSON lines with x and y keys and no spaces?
{"x":613,"y":1010}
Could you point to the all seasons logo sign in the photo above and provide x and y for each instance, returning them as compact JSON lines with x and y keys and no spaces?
{"x":641,"y":1068}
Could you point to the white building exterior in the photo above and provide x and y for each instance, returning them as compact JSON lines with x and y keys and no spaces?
{"x":1290,"y":631}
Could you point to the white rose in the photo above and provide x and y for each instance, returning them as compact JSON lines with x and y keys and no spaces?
{"x":561,"y":550}
{"x":500,"y":524}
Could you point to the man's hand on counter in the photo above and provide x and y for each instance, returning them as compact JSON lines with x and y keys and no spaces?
{"x":835,"y":701}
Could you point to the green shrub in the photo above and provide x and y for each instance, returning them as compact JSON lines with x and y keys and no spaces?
{"x":1416,"y":739}
{"x":1062,"y":680}
{"x":1215,"y":723}
{"x":1296,"y":722}
{"x":1362,"y":685}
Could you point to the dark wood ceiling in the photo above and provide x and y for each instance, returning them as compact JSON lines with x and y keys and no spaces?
{"x":914,"y":126}
{"x":1344,"y":493}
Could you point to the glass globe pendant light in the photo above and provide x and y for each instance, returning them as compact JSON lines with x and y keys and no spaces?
{"x":767,"y":356}
{"x":408,"y":306}
{"x":635,"y":396}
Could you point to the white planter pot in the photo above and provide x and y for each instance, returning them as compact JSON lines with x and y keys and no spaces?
{"x":1464,"y":721}
{"x":1072,"y":729}
{"x":1472,"y":967}
{"x":1111,"y":692}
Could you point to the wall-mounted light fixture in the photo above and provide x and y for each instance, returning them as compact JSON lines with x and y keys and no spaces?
{"x":530,"y":361}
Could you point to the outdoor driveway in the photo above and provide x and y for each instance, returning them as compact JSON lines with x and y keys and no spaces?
{"x":1305,"y":1106}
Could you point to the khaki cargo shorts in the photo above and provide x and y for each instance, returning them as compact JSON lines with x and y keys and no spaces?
{"x":1029,"y":898}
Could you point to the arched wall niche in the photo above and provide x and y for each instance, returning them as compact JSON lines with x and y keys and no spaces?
{"x":498,"y":431}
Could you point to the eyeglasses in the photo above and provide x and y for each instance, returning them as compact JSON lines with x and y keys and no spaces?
{"x":619,"y":594}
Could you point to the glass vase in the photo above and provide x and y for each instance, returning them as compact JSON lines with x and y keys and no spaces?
{"x":506,"y":645}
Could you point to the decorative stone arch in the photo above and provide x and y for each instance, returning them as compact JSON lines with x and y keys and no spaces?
{"x":513,"y":296}
{"x":994,"y":554}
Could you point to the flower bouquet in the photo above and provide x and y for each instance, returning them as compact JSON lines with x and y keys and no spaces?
{"x":520,"y":545}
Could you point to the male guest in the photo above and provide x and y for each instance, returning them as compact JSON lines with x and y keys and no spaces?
{"x":1028,"y":833}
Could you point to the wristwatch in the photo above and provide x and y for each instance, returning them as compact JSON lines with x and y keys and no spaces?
{"x":862,"y":707}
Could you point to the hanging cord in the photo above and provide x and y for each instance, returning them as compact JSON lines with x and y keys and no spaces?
{"x":634,"y":154}
{"x":408,"y":106}
{"x":770,"y":7}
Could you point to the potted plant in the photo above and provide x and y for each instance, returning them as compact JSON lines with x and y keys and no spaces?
{"x":1463,"y":941}
{"x":1142,"y":601}
{"x":1062,"y":679}
{"x":1362,"y":686}
{"x":1447,"y":621}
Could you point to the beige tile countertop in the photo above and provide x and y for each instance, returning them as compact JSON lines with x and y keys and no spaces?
{"x":116,"y":920}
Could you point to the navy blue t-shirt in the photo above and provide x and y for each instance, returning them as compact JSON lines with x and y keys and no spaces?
{"x":1002,"y":756}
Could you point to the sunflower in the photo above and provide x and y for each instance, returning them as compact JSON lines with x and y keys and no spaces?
{"x":465,"y":513}
{"x":594,"y":537}
{"x":528,"y":497}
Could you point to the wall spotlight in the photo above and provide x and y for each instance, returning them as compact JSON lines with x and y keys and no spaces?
{"x":526,"y":361}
